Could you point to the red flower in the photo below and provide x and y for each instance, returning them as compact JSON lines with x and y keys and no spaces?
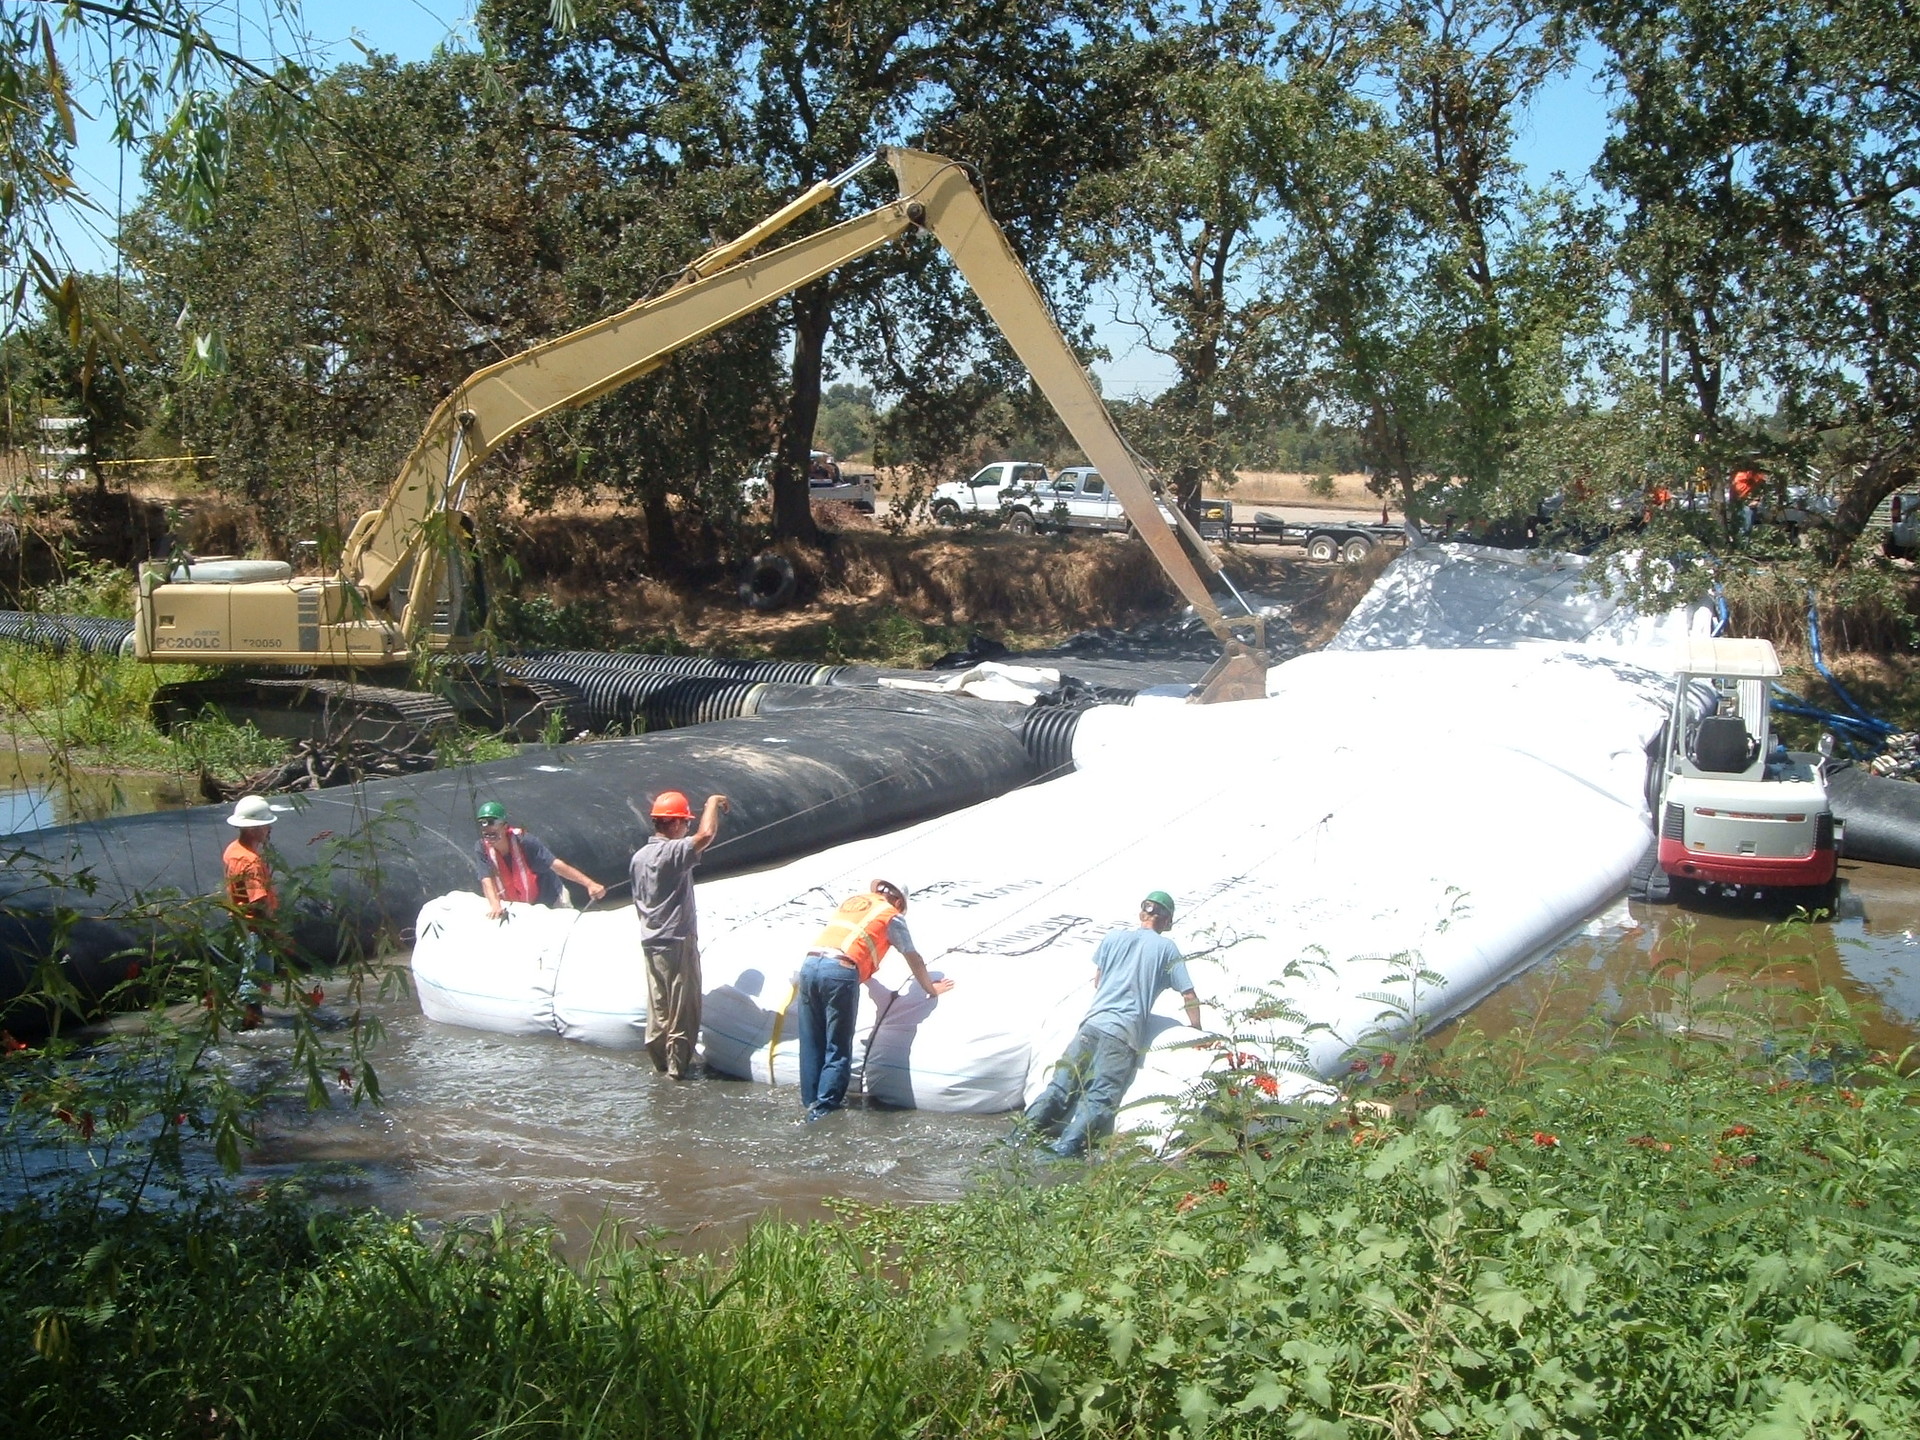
{"x":1218,"y":1187}
{"x":8,"y":1044}
{"x":1479,"y":1112}
{"x":316,"y":995}
{"x":346,"y":1078}
{"x":1386,"y":1062}
{"x":1267,"y":1085}
{"x":1187,"y":1202}
{"x":1851,"y":1099}
{"x":1358,"y":1067}
{"x":1481,"y":1159}
{"x":133,"y":970}
{"x":1647,"y":1142}
{"x":180,"y":1119}
{"x":1734,"y":1132}
{"x":1545,"y":1140}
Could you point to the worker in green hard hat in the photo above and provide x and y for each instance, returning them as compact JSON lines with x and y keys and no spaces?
{"x":515,"y":866}
{"x":1131,"y":968}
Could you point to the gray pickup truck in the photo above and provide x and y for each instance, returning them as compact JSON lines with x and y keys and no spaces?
{"x":1079,"y":499}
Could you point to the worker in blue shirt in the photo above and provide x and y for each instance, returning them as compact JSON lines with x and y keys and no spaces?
{"x":1133,"y":967}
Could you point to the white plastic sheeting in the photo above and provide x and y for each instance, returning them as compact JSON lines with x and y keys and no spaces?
{"x":1391,"y":835}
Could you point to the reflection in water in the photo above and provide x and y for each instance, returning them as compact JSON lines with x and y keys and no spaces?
{"x":37,"y":791}
{"x":473,"y":1123}
{"x":1676,"y":966}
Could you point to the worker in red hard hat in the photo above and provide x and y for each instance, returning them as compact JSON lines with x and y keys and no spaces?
{"x":662,"y":873}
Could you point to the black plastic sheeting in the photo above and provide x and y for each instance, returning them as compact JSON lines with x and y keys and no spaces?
{"x":801,"y":780}
{"x":1882,"y":816}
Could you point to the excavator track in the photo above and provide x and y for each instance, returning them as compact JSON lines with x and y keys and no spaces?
{"x":312,"y":708}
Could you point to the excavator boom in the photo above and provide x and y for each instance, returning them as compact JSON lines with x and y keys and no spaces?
{"x":392,"y":593}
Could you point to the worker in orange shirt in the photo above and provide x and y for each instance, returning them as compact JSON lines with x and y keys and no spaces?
{"x":251,"y":897}
{"x":1743,"y":492}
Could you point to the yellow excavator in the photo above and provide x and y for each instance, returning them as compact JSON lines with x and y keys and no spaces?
{"x":401,"y":590}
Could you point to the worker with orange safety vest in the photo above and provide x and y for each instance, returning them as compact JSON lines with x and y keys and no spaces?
{"x":842,"y":960}
{"x":662,"y":874}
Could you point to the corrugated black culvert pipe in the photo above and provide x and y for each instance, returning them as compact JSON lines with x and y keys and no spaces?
{"x":60,"y":633}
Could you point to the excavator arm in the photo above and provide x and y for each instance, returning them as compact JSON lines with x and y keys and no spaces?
{"x":392,"y":571}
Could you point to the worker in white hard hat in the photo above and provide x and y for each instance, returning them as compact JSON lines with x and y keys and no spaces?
{"x":251,"y":895}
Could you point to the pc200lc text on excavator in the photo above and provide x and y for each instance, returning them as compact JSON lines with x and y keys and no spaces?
{"x":402,"y":589}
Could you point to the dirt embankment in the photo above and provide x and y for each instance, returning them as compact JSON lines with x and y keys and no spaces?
{"x":1000,"y":584}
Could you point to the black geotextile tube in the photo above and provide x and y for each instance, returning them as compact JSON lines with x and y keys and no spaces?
{"x":65,"y":632}
{"x":1046,"y":730}
{"x":369,"y":855}
{"x":1882,"y":816}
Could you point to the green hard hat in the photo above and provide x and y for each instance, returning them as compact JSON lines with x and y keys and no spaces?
{"x":491,"y":810}
{"x":1161,"y":899}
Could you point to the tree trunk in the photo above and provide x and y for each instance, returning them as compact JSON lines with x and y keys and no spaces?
{"x":792,"y":505}
{"x":1858,"y":498}
{"x":662,"y":553}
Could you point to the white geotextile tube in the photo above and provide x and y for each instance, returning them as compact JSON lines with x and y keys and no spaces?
{"x":1389,"y":836}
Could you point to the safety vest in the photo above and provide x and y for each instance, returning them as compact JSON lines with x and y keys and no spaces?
{"x":518,"y":883}
{"x":858,"y":931}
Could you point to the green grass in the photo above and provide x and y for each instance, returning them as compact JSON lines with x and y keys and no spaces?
{"x":1601,"y":1232}
{"x":94,"y":711}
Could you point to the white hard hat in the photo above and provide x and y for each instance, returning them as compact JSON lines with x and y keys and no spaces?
{"x":251,"y":810}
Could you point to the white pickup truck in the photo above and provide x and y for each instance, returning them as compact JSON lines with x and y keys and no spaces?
{"x":1009,"y":489}
{"x":1079,"y":499}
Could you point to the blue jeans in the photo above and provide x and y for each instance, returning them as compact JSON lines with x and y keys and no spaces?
{"x":1084,"y":1095}
{"x":829,"y":1004}
{"x":256,"y":970}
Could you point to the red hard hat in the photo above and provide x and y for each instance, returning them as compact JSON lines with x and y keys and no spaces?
{"x":672,"y":805}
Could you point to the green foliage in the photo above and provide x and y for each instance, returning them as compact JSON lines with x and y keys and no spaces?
{"x":845,"y":427}
{"x":88,"y":587}
{"x":536,"y":622}
{"x":82,"y":707}
{"x":1598,"y":1231}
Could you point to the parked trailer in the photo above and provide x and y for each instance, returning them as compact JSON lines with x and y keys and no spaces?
{"x":1346,"y":540}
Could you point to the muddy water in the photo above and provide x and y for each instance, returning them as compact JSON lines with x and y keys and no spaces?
{"x":36,"y":791}
{"x":474,"y":1123}
{"x":1677,"y":967}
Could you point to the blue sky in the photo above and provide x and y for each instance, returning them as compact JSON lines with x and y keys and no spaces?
{"x":1563,"y":134}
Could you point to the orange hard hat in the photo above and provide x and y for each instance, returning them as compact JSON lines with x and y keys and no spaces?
{"x":671,"y":805}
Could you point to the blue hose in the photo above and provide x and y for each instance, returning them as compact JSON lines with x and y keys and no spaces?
{"x":1820,"y":664}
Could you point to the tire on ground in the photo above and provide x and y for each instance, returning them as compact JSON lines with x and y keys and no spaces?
{"x":768,"y":582}
{"x":946,"y":513}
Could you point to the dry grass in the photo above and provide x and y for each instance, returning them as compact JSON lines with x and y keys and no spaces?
{"x":1004,"y":583}
{"x":1273,"y":487}
{"x":1324,"y":608}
